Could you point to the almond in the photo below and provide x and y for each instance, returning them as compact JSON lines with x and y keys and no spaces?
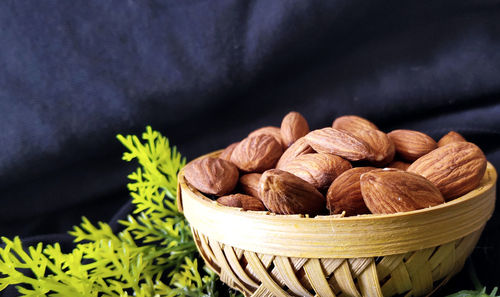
{"x":340,"y":143}
{"x":257,"y":153}
{"x":228,"y":151}
{"x":298,"y":148}
{"x":344,"y":193}
{"x":410,"y":144}
{"x":399,"y":165}
{"x":454,"y":169}
{"x":249,"y":184}
{"x":285,"y":193}
{"x":353,"y":123}
{"x":318,"y":169}
{"x":269,"y":130}
{"x":452,"y":136}
{"x":242,"y":201}
{"x":212,"y":175}
{"x":293,"y":127}
{"x":380,"y":144}
{"x":392,"y":190}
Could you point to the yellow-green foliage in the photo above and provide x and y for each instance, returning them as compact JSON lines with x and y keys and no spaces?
{"x":477,"y":293}
{"x":153,"y":256}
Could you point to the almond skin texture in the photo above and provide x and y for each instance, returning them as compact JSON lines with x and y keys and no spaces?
{"x":399,"y":165}
{"x":318,"y":169}
{"x":380,"y":144}
{"x":242,"y":201}
{"x":249,"y":184}
{"x":298,"y":148}
{"x":452,"y":136}
{"x":269,"y":130}
{"x":285,"y":193}
{"x":212,"y":175}
{"x":293,"y":127}
{"x":340,"y":143}
{"x":228,"y":151}
{"x":344,"y":193}
{"x":353,"y":123}
{"x":257,"y":153}
{"x":390,"y":190}
{"x":411,"y":145}
{"x":455,"y":169}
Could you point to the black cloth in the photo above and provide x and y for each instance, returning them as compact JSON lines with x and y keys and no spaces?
{"x":73,"y":74}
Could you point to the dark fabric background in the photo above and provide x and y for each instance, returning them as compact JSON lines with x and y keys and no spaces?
{"x":73,"y":74}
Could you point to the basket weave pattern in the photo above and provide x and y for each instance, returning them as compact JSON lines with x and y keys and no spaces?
{"x":406,"y":254}
{"x":412,"y":274}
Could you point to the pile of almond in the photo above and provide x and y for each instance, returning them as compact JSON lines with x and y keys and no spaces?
{"x":349,"y":168}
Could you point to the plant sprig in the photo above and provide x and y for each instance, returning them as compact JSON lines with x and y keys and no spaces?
{"x":154,"y":254}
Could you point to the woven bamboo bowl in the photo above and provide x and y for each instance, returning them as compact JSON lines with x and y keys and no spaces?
{"x":407,"y":254}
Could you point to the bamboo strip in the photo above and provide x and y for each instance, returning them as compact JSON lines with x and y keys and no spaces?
{"x":288,"y":274}
{"x":178,"y":201}
{"x":330,"y":265}
{"x":298,"y":262}
{"x":262,"y":291}
{"x":446,"y":266}
{"x":205,"y":251}
{"x":421,"y":279}
{"x":239,"y":252}
{"x":206,"y":247}
{"x":399,"y":282}
{"x":344,"y":280}
{"x":388,"y":264}
{"x":358,"y":265}
{"x":227,"y":275}
{"x":260,"y":271}
{"x":441,"y":253}
{"x":317,"y":279}
{"x":439,"y":285}
{"x":417,"y":260}
{"x":409,"y":294}
{"x":467,"y":245}
{"x":368,"y":282}
{"x":238,"y":270}
{"x":335,"y":286}
{"x":266,"y":260}
{"x":389,"y":288}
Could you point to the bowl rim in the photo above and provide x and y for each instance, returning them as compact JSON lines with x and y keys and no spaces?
{"x":416,"y":229}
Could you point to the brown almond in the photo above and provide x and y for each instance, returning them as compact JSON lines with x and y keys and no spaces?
{"x":344,"y":194}
{"x":452,"y":136}
{"x":269,"y":130}
{"x":454,"y":169}
{"x":340,"y":143}
{"x":242,"y":201}
{"x":298,"y":148}
{"x":410,"y":144}
{"x":257,"y":153}
{"x":285,"y":193}
{"x":380,"y":144}
{"x":212,"y":175}
{"x":228,"y":151}
{"x":392,"y":190}
{"x":318,"y":169}
{"x":293,"y":127}
{"x":399,"y":165}
{"x":249,"y":184}
{"x":353,"y":123}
